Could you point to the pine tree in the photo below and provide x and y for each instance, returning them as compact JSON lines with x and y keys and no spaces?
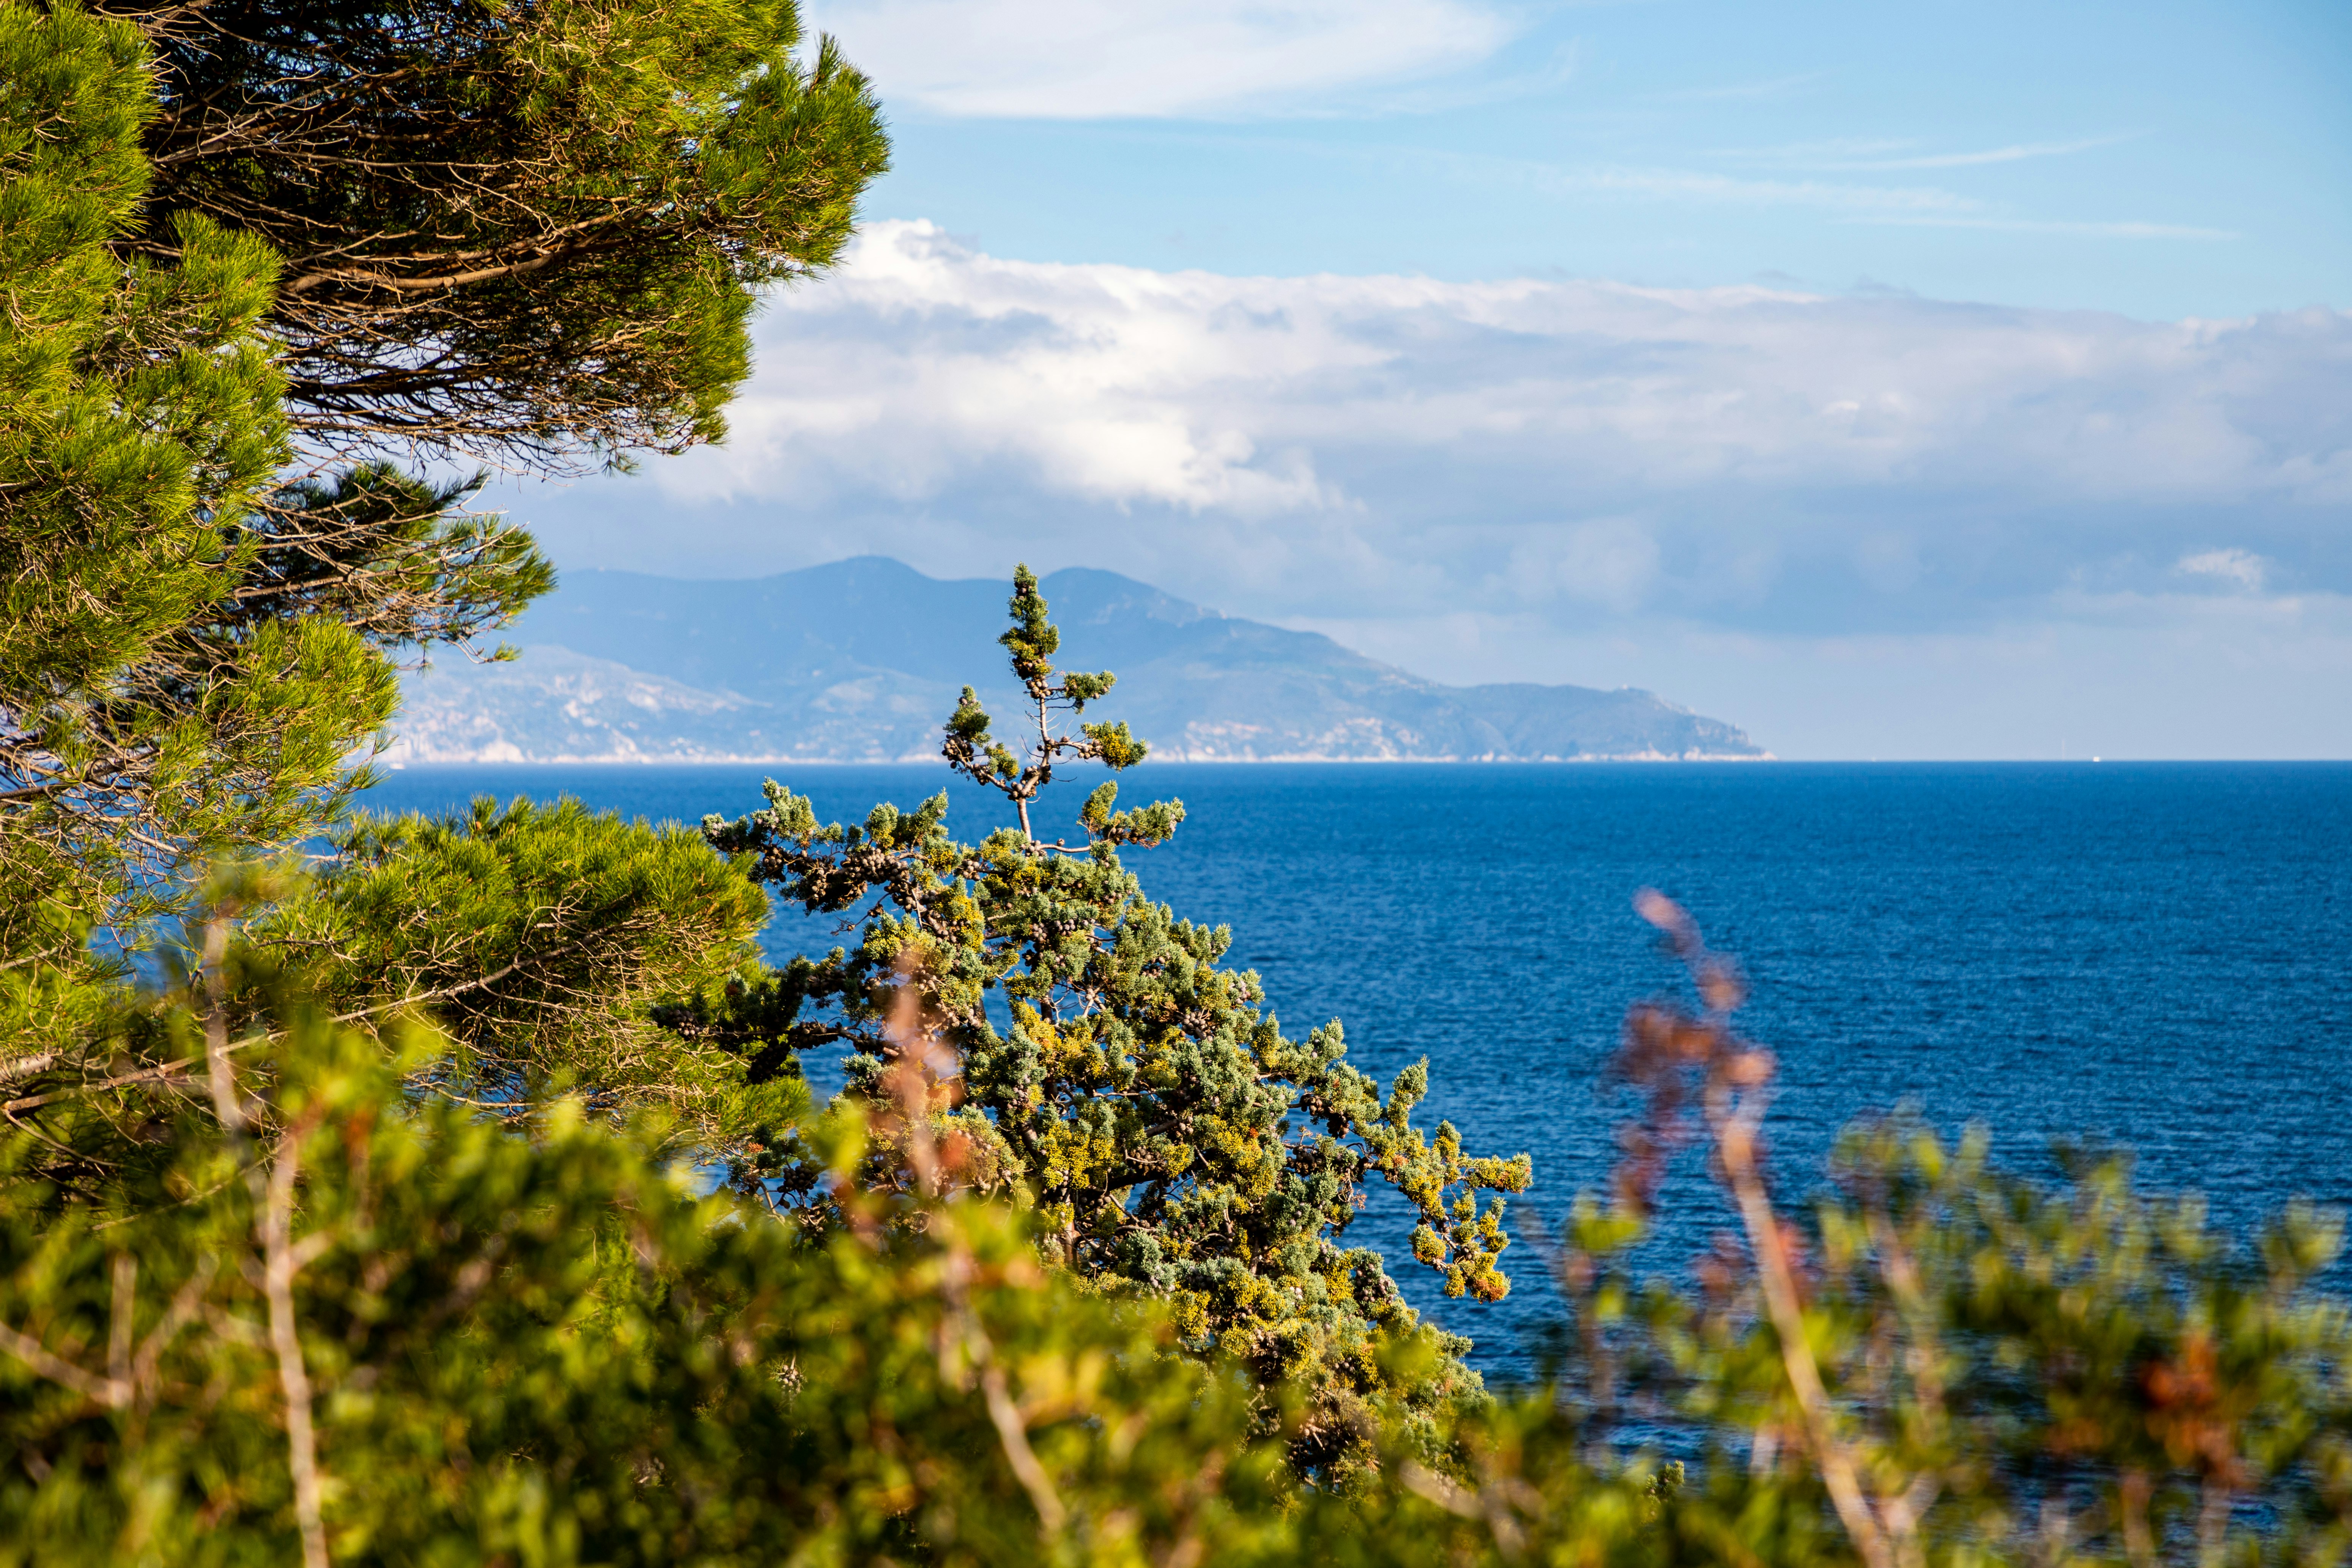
{"x":139,"y":720}
{"x":534,"y":232}
{"x":562,"y":952}
{"x":1170,"y":1141}
{"x":529,"y":231}
{"x":244,"y":277}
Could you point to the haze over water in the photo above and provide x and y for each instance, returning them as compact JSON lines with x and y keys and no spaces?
{"x":2151,"y":954}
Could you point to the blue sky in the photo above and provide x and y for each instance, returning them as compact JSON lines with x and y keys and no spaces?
{"x":1893,"y":380}
{"x":2159,"y":159}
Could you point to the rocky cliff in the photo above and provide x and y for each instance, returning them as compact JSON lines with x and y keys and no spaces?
{"x":862,"y":660}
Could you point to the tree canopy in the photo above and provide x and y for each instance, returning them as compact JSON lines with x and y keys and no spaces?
{"x":1171,"y":1140}
{"x":523,"y":231}
{"x":146,"y":707}
{"x":257,"y":258}
{"x":544,"y":1350}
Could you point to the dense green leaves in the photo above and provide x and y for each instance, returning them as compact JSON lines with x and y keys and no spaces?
{"x":519,"y":230}
{"x":544,"y":1350}
{"x":550,"y":943}
{"x":237,"y":239}
{"x":138,"y":722}
{"x":1171,"y":1140}
{"x":542,"y":1347}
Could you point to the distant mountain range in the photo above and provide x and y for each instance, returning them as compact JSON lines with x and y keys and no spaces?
{"x":861,"y":662}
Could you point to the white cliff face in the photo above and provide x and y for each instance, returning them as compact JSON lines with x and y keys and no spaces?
{"x":553,"y":705}
{"x":861,"y":662}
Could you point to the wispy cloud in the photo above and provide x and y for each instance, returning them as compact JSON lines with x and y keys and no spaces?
{"x":1802,"y":152}
{"x":1700,"y":185}
{"x":2241,"y":568}
{"x":1770,"y":86}
{"x":2089,"y":230}
{"x":1465,"y":90}
{"x":1704,"y":186}
{"x":2011,"y":154}
{"x":1859,"y":156}
{"x":1146,"y":59}
{"x":1912,"y":206}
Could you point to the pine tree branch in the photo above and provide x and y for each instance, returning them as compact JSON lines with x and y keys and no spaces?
{"x":106,"y":1391}
{"x":276,"y":1224}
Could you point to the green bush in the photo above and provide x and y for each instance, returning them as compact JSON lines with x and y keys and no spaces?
{"x":538,"y":1346}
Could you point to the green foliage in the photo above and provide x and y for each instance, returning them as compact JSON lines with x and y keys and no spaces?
{"x":1171,"y":1140}
{"x":513,"y":229}
{"x":472,"y":227}
{"x":542,"y":1347}
{"x":394,"y":559}
{"x":142,"y":422}
{"x":550,"y":943}
{"x":543,"y":1350}
{"x":191,"y":653}
{"x":196,"y":644}
{"x":971,"y":748}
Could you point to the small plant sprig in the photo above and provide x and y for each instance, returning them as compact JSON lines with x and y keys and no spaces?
{"x":972,"y":751}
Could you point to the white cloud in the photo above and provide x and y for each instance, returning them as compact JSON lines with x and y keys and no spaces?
{"x":2241,"y":568}
{"x":1750,"y":457}
{"x":1871,"y":525}
{"x":1608,"y":562}
{"x":1135,"y":58}
{"x":925,"y":363}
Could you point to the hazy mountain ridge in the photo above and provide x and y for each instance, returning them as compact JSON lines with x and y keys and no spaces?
{"x":861,"y":660}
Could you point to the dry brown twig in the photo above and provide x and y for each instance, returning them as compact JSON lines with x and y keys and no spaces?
{"x":1663,"y":1046}
{"x":921,"y":1078}
{"x":273,"y":1194}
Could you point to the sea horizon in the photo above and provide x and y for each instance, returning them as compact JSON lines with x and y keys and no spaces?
{"x":2136,"y":954}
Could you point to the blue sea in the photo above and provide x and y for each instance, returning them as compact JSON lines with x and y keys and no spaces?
{"x":2149,"y":954}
